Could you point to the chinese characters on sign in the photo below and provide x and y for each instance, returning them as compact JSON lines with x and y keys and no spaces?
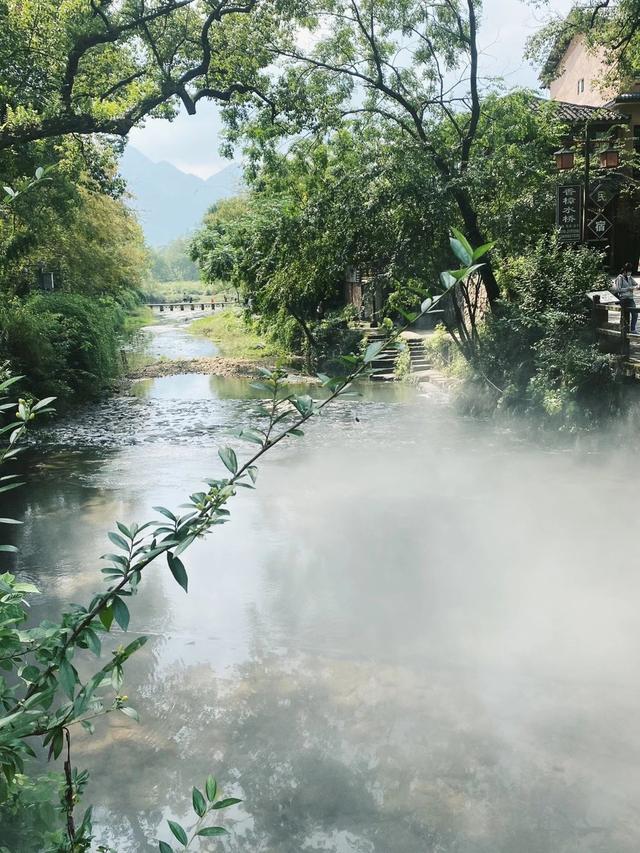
{"x":602,"y":192}
{"x":599,"y":227}
{"x":569,"y":213}
{"x":601,"y":195}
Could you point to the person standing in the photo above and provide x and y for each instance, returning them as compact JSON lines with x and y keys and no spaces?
{"x":623,"y":288}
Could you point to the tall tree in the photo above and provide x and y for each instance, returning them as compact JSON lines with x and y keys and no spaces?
{"x":99,"y":66}
{"x":414,"y":64}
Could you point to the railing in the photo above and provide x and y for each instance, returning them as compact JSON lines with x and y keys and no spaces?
{"x":202,"y":305}
{"x":612,"y":325}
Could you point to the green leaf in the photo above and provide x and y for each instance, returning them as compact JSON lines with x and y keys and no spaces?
{"x":131,"y":712}
{"x":30,"y":674}
{"x":466,"y":245}
{"x":211,"y":787}
{"x":57,"y":743}
{"x":252,"y":471}
{"x":10,"y":486}
{"x":224,"y":804}
{"x":482,"y":250}
{"x":9,"y":548}
{"x":42,"y":404}
{"x":211,"y":831}
{"x":303,"y":403}
{"x":460,"y":252}
{"x":447,"y":280}
{"x":39,"y":173}
{"x":117,"y":677}
{"x":10,"y":521}
{"x":373,"y":350}
{"x":118,"y":540}
{"x":229,"y":458}
{"x":465,"y":272}
{"x":164,"y":511}
{"x":164,"y":847}
{"x":409,"y":316}
{"x":93,"y":641}
{"x":68,"y":678}
{"x":106,"y":617}
{"x":199,"y":802}
{"x":88,"y":725}
{"x":120,"y":613}
{"x":252,"y":435}
{"x":178,"y":832}
{"x":178,"y":570}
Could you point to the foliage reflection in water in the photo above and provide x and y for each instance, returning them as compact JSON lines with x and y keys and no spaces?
{"x":414,"y":636}
{"x":413,"y":650}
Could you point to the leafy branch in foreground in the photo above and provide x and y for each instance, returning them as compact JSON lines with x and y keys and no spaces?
{"x":47,"y":696}
{"x":203,"y":808}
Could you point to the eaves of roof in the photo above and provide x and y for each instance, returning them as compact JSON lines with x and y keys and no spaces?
{"x":576,"y":113}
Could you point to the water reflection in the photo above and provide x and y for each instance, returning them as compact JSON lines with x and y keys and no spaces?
{"x":415,"y":636}
{"x":169,"y":338}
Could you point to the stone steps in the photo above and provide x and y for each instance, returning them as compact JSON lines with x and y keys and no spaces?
{"x":383,"y":366}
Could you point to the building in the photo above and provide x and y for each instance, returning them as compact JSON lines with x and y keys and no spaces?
{"x":576,"y":76}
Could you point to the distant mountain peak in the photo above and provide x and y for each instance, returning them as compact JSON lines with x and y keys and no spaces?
{"x":171,"y":203}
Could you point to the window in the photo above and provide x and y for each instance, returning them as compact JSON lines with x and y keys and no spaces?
{"x":581,"y":85}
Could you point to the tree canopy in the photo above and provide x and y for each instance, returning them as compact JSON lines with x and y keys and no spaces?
{"x":610,"y":28}
{"x":96,"y":66}
{"x":413,"y":64}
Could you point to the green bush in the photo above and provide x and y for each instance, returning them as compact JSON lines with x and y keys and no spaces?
{"x":540,"y":348}
{"x":65,"y":344}
{"x":334,"y":338}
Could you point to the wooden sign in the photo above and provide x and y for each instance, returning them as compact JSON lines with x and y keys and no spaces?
{"x":599,"y":227}
{"x":569,"y":213}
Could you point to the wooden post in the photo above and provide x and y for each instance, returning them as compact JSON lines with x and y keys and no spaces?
{"x":193,"y":307}
{"x":202,"y":306}
{"x":161,"y":308}
{"x":624,"y":331}
{"x":171,"y":306}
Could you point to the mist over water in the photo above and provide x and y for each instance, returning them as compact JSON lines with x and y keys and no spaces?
{"x":420,"y":633}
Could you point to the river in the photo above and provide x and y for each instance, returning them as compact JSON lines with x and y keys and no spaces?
{"x":419,"y":634}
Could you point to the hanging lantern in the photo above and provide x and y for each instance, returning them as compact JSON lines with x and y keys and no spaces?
{"x":565,"y":159}
{"x":609,"y":158}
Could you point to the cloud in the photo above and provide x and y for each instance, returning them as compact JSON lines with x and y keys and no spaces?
{"x":191,"y":143}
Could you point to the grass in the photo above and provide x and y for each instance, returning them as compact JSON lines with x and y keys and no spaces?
{"x":236,"y":337}
{"x":175,"y":291}
{"x":137,"y":318}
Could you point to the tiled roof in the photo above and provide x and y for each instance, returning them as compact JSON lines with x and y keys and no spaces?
{"x":577,"y":113}
{"x":625,"y":98}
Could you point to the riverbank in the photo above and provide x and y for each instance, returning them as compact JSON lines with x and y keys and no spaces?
{"x":211,"y":366}
{"x":238,"y":337}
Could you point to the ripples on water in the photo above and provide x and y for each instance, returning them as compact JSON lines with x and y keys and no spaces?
{"x":418,"y":635}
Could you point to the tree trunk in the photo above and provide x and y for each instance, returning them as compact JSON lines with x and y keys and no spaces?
{"x":312,"y":345}
{"x":477,"y":238}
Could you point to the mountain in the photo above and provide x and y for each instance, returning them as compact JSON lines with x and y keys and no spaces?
{"x":171,"y":203}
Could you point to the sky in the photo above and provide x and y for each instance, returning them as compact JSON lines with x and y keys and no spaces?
{"x":191,"y":143}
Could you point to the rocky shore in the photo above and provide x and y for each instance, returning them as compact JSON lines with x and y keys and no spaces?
{"x":212,"y":366}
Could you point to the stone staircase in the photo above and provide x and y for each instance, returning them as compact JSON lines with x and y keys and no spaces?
{"x":383,"y":366}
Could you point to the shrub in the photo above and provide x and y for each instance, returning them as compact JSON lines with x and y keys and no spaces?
{"x":65,"y":344}
{"x":539,"y":348}
{"x":334,"y":338}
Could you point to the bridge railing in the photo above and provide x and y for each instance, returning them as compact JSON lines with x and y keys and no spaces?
{"x":197,"y":304}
